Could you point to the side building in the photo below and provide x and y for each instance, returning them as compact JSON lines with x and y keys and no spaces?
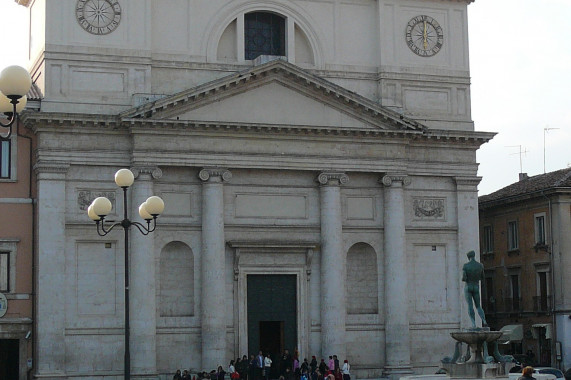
{"x":525,"y":231}
{"x":17,"y":247}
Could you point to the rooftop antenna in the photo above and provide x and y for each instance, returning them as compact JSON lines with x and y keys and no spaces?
{"x":521,"y":152}
{"x":545,"y":130}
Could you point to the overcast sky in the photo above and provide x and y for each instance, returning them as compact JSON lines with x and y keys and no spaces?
{"x":520,"y":62}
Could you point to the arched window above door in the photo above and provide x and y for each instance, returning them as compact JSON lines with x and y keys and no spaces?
{"x":259,"y":32}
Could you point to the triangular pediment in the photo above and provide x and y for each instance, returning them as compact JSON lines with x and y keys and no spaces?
{"x":276,"y":93}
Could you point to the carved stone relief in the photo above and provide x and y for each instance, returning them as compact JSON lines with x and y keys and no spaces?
{"x":85,"y":197}
{"x":429,"y":208}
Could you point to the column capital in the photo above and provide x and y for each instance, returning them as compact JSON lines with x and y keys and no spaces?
{"x":215,"y":175}
{"x":388,"y":179}
{"x":332,"y":179}
{"x":150,"y":170}
{"x":51,"y":170}
{"x":467,"y":183}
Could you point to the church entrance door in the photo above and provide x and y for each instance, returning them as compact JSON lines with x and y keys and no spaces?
{"x":272,"y":313}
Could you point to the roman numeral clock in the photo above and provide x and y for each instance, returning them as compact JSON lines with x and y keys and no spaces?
{"x":424,"y":36}
{"x":98,"y":16}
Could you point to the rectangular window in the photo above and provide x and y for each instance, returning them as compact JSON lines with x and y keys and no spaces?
{"x":488,"y":239}
{"x":5,"y":272}
{"x":540,"y":229}
{"x":5,"y":159}
{"x":515,"y":301}
{"x":512,"y":236}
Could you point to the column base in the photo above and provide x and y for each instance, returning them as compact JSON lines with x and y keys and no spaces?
{"x":396,"y":372}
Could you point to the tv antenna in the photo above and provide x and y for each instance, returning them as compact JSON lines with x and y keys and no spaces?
{"x":522,"y":151}
{"x":545,"y":130}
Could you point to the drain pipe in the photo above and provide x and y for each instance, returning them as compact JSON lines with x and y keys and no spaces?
{"x":552,"y":278}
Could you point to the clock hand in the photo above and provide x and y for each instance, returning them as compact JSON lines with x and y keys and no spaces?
{"x":425,"y":36}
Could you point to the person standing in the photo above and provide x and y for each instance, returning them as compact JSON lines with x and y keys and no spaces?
{"x":267,"y":366}
{"x":331,"y":364}
{"x":313,"y":364}
{"x":346,"y":368}
{"x":285,"y":362}
{"x":177,"y":375}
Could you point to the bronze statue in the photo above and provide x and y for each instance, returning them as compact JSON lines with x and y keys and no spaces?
{"x":472,"y":274}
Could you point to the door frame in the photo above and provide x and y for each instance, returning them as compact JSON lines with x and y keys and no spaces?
{"x":272,"y":259}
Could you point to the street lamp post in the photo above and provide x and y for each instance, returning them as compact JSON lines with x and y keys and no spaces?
{"x":149,"y":211}
{"x":15,"y":82}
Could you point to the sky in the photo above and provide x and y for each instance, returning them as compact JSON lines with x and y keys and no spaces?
{"x":520,"y":67}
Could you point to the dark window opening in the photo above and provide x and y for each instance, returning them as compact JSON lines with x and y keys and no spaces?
{"x":264,"y":34}
{"x":5,"y":159}
{"x":5,"y":272}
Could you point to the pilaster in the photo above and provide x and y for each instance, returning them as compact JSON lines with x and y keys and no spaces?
{"x":213,"y":312}
{"x":142,"y":300}
{"x":397,"y":328}
{"x":333,"y":260}
{"x":51,"y":291}
{"x":468,"y":234}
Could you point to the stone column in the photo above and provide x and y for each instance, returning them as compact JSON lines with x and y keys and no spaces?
{"x":468,"y":236}
{"x":333,"y":261}
{"x":397,"y":333}
{"x":142,"y":284}
{"x":51,"y":285}
{"x":213,"y":290}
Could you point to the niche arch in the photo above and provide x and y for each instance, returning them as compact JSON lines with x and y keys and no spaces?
{"x":362,"y":280}
{"x":176,"y":291}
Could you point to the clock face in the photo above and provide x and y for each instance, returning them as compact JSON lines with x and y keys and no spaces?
{"x":98,"y":16}
{"x":424,"y":36}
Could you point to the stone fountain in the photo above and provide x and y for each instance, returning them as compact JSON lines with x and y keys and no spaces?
{"x":476,"y":363}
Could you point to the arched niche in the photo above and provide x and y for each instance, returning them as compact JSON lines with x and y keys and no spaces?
{"x":362,"y":280}
{"x":176,"y":295}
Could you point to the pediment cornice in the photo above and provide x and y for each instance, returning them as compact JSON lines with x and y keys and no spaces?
{"x":287,"y":75}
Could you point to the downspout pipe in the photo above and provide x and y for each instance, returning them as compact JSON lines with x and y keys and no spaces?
{"x":552,"y":277}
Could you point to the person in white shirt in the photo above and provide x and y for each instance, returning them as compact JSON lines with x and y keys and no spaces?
{"x":267,"y":366}
{"x":345,"y":370}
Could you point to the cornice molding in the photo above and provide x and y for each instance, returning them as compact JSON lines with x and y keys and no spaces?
{"x":57,"y":121}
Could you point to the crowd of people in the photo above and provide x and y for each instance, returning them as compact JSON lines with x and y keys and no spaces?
{"x":266,"y":367}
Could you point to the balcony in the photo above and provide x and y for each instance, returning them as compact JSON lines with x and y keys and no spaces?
{"x":542,"y":304}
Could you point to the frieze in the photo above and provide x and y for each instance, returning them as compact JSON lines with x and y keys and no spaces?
{"x":429,"y":208}
{"x":85,"y":197}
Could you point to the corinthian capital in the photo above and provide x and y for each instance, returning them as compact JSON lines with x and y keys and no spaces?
{"x":215,"y":174}
{"x":332,"y":179}
{"x":388,"y":179}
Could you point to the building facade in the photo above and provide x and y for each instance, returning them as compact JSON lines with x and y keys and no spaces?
{"x":17,"y":196}
{"x":317,"y":160}
{"x":525,"y":248}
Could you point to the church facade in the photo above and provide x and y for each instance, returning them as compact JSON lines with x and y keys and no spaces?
{"x":318,"y":164}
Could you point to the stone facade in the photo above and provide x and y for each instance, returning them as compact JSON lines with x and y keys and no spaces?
{"x":348,"y":163}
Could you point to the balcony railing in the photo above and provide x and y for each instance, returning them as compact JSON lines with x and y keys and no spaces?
{"x":542,"y":303}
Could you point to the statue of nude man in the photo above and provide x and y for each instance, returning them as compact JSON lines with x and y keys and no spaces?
{"x":472,"y":274}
